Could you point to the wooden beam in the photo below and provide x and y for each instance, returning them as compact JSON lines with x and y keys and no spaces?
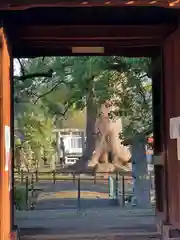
{"x":30,"y":51}
{"x":92,"y":32}
{"x":26,"y":4}
{"x":56,"y":44}
{"x":59,"y":40}
{"x":132,"y":41}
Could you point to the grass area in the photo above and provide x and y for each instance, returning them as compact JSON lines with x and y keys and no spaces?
{"x":73,"y":195}
{"x":20,"y":196}
{"x":57,"y":177}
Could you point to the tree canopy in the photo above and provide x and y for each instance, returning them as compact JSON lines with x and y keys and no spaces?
{"x":55,"y":91}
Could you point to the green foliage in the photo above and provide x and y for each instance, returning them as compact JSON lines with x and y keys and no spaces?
{"x":136,"y":100}
{"x":38,"y":137}
{"x":42,"y":103}
{"x":20,"y":197}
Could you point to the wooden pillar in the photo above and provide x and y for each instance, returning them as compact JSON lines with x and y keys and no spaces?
{"x":171,"y":53}
{"x":172,"y":100}
{"x":5,"y":148}
{"x":158,"y":132}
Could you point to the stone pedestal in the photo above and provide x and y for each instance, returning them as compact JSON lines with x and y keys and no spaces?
{"x":142,"y":183}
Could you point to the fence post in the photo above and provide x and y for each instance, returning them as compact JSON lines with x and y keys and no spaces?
{"x":32,"y":182}
{"x":79,"y":193}
{"x":54,"y":176}
{"x":27,"y":193}
{"x":123,"y":191}
{"x":32,"y":192}
{"x":37,"y":176}
{"x":95,"y":178}
{"x":22,"y":175}
{"x":117,"y":179}
{"x":74,"y":177}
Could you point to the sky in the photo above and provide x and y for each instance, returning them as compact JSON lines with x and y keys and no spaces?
{"x":16,"y":67}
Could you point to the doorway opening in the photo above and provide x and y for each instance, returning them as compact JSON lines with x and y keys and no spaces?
{"x":128,"y":34}
{"x":98,"y":111}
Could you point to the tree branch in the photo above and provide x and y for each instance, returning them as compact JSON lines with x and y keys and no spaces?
{"x":48,"y":92}
{"x":66,"y":109}
{"x":143,"y":76}
{"x":128,"y":141}
{"x":33,"y":75}
{"x":62,"y":114}
{"x":141,"y":92}
{"x":22,"y":68}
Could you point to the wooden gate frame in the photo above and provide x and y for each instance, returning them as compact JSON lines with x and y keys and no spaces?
{"x":5,"y":132}
{"x":171,"y":167}
{"x":171,"y":55}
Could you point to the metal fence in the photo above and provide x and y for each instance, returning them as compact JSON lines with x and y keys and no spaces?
{"x":113,"y":188}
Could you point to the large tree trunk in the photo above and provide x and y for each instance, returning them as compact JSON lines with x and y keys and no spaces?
{"x":103,"y":138}
{"x":140,"y":174}
{"x":59,"y":159}
{"x":90,"y":131}
{"x":107,"y":141}
{"x":91,"y":115}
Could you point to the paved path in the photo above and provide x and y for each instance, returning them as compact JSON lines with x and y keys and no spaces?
{"x":56,"y":216}
{"x":88,"y":224}
{"x":55,"y":196}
